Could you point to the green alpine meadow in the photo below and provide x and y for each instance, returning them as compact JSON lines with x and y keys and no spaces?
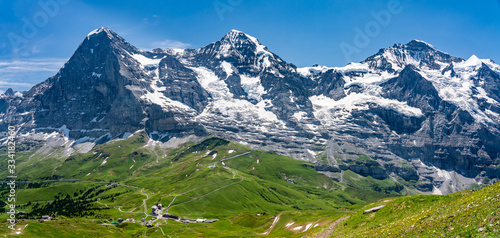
{"x":241,"y":191}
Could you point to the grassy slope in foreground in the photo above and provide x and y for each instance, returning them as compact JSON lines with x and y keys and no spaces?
{"x":462,"y":214}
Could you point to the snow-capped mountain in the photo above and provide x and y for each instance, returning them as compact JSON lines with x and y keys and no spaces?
{"x":422,"y":115}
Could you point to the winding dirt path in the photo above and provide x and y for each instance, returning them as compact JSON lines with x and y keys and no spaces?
{"x":331,"y":227}
{"x":235,"y":156}
{"x":145,"y":204}
{"x":276,"y":219}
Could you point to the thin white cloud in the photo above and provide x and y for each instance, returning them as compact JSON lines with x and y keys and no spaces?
{"x":171,"y":44}
{"x":21,"y":74}
{"x":10,"y":84}
{"x":33,"y":47}
{"x":22,"y":66}
{"x":153,"y":20}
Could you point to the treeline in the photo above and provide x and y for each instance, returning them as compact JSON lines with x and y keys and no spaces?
{"x":63,"y":205}
{"x":4,"y":187}
{"x":79,"y":204}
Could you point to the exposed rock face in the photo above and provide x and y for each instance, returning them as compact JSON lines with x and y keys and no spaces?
{"x":109,"y":88}
{"x":421,"y":115}
{"x":411,"y":87}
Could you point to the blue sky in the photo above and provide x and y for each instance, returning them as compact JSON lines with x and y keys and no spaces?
{"x":38,"y":36}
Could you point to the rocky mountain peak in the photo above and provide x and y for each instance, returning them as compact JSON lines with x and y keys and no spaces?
{"x":9,"y":92}
{"x":419,"y":45}
{"x":415,"y":52}
{"x":106,"y":38}
{"x":103,"y":31}
{"x":241,"y":41}
{"x":237,"y":45}
{"x":235,"y":37}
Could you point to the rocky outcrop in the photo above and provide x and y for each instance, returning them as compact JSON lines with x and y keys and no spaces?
{"x":375,"y":209}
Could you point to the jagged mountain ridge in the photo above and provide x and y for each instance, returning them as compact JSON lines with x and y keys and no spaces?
{"x":420,"y":113}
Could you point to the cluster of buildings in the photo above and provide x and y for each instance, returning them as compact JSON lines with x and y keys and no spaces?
{"x":113,"y":185}
{"x":157,"y":209}
{"x":46,"y":218}
{"x":186,"y":220}
{"x":120,"y":220}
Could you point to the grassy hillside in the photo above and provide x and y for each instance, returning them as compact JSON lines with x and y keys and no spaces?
{"x":462,"y":214}
{"x":249,"y":191}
